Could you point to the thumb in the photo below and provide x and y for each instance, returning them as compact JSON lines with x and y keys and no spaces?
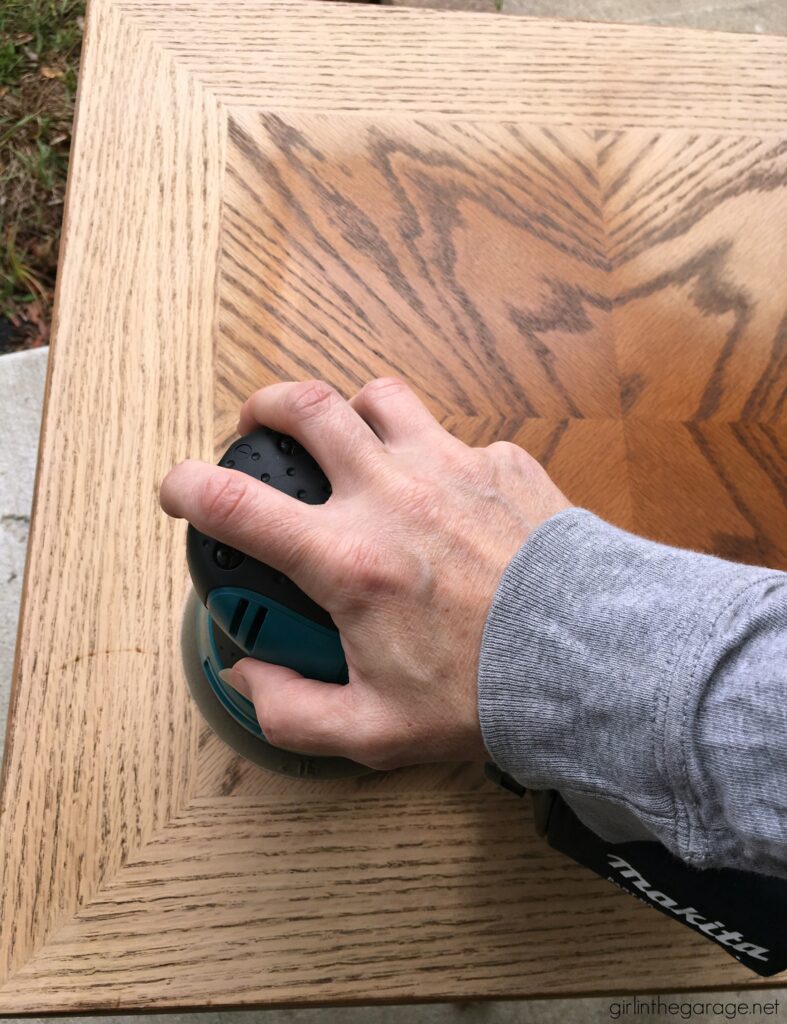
{"x":304,"y":715}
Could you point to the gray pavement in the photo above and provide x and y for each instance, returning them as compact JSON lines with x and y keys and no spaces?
{"x":768,"y":16}
{"x":22,"y":377}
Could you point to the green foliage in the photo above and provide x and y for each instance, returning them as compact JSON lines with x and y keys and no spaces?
{"x":39,"y":57}
{"x":54,"y":28}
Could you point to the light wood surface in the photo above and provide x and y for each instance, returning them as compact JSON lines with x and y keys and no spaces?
{"x":572,"y":236}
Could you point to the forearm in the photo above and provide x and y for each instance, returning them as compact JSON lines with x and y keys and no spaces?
{"x":648,"y":685}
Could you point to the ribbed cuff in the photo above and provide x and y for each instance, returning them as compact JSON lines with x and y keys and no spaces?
{"x":588,"y":675}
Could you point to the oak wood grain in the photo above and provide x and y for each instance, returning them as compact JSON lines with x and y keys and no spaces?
{"x":570,"y":236}
{"x":462,"y":65}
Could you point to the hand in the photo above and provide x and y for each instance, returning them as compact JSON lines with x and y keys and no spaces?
{"x":406,"y":556}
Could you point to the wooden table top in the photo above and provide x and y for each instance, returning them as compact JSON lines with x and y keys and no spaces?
{"x":572,"y":236}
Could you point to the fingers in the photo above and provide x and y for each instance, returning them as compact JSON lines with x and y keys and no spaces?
{"x":315,"y":414}
{"x":246,"y":513}
{"x":395,"y":413}
{"x":304,"y":715}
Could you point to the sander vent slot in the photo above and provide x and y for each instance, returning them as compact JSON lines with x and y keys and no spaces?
{"x":254,"y":628}
{"x":237,"y":616}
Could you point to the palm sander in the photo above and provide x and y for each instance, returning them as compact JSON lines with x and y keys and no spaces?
{"x":240,"y":607}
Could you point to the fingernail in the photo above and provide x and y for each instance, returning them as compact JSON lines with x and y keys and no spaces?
{"x":233,"y":678}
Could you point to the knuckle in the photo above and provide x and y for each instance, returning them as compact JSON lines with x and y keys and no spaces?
{"x":503,"y":449}
{"x":512,"y":456}
{"x":309,"y":398}
{"x":364,"y":569}
{"x":470,"y":465}
{"x":222,"y":495}
{"x":381,"y":388}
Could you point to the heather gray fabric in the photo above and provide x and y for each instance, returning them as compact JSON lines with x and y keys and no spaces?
{"x":649,"y":685}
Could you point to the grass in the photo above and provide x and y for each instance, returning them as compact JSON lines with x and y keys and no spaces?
{"x":39,"y":58}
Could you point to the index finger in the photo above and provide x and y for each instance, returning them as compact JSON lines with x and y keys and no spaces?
{"x":246,"y":514}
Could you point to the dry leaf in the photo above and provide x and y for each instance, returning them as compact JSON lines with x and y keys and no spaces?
{"x":43,"y":248}
{"x":32,"y":312}
{"x":47,"y":72}
{"x":24,"y":38}
{"x":34,"y":315}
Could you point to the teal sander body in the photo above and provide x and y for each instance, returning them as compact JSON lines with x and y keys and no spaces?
{"x":246,"y":608}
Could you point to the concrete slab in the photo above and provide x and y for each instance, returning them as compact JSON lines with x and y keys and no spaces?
{"x":701,"y":1006}
{"x":22,"y":376}
{"x":767,"y":16}
{"x":449,"y":5}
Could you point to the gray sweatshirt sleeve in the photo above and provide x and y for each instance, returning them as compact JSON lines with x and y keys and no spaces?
{"x":648,"y":685}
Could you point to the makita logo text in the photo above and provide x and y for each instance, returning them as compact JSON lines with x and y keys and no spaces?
{"x":716,"y":929}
